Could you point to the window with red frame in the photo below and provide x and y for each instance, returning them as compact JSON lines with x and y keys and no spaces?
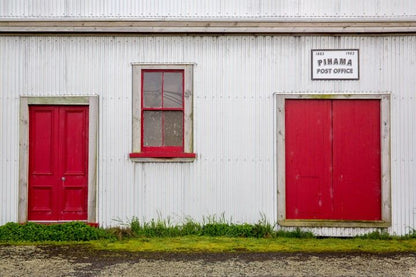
{"x":162,"y":111}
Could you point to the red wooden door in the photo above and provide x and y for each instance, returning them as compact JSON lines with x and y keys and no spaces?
{"x":356,"y":159}
{"x":333,"y":162}
{"x":58,"y":163}
{"x":308,"y":159}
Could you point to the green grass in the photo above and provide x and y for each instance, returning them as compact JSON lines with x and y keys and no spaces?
{"x":204,"y":244}
{"x":32,"y":232}
{"x":229,"y":244}
{"x":213,"y":227}
{"x":214,"y":235}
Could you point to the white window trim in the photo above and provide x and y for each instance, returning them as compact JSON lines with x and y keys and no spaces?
{"x":385,"y":162}
{"x":188,"y":110}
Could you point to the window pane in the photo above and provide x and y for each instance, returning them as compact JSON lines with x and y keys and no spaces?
{"x":152,"y":89}
{"x":152,"y":129}
{"x":172,"y":89}
{"x":173,"y":128}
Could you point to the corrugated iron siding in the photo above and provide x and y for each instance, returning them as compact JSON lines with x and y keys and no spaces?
{"x":221,"y":9}
{"x":234,"y":81}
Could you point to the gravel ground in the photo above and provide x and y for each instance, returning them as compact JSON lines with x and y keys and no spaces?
{"x":47,"y":260}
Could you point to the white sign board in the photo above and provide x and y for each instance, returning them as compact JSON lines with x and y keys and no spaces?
{"x":328,"y":64}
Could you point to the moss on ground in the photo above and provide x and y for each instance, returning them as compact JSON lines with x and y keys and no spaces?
{"x":227,"y":244}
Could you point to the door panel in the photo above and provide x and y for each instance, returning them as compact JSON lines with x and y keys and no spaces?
{"x":42,"y":201}
{"x":74,"y":149}
{"x":356,"y":159}
{"x":43,"y":170}
{"x":58,"y":163}
{"x":308,"y":159}
{"x":43,"y":141}
{"x":74,"y":130}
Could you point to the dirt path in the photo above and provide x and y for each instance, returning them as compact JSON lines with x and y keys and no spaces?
{"x":83,"y":261}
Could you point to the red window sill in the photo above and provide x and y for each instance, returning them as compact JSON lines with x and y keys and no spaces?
{"x":162,"y":156}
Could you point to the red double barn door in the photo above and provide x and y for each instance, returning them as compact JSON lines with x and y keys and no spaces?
{"x":333,"y":164}
{"x":58,"y":163}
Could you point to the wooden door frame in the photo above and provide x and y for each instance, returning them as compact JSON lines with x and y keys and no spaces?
{"x":280,"y":161}
{"x":92,"y":103}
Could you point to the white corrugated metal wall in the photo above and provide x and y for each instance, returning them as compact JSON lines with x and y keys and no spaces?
{"x":234,"y":81}
{"x":220,"y":9}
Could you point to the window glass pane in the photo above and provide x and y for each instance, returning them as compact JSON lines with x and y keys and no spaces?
{"x":152,"y":129}
{"x":172,"y":89}
{"x":173,"y":128}
{"x":152,"y":89}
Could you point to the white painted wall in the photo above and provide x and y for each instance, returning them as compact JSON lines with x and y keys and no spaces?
{"x":209,"y":9}
{"x":234,"y":81}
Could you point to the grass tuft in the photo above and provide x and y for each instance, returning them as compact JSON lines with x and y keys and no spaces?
{"x":379,"y":235}
{"x":212,"y":227}
{"x":71,"y":231}
{"x":297,"y":233}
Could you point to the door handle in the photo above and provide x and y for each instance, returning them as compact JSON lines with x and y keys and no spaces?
{"x":63,"y":179}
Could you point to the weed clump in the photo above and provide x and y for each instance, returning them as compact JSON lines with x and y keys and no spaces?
{"x":213,"y":228}
{"x":297,"y":233}
{"x":412,"y":234}
{"x":378,"y":234}
{"x":237,"y":230}
{"x":33,"y":232}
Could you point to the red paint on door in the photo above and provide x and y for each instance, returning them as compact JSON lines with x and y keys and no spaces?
{"x":356,"y":159}
{"x":307,"y":159}
{"x":333,"y":162}
{"x":58,"y":163}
